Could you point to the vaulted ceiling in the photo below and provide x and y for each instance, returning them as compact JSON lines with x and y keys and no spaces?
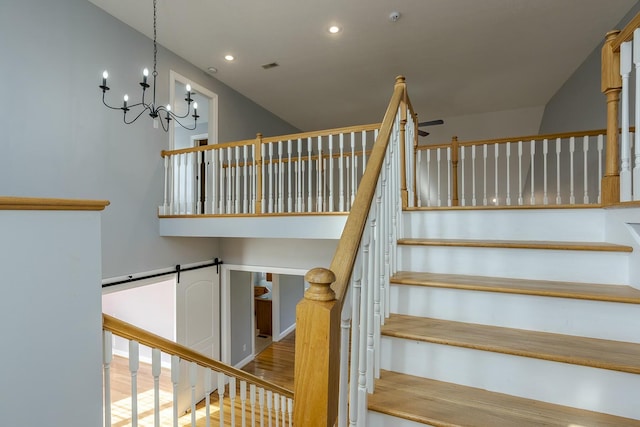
{"x":459,"y":56}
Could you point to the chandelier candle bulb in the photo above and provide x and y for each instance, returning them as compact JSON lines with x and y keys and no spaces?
{"x":145,"y":74}
{"x":104,"y":78}
{"x":126,"y":98}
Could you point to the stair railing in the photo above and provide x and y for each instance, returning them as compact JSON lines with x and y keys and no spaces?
{"x":338,"y":321}
{"x":535,"y":170}
{"x":621,"y":50}
{"x":259,"y":399}
{"x":307,"y":172}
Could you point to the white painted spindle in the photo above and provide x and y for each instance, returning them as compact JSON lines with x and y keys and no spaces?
{"x":175,"y":379}
{"x":463,"y":200}
{"x":626,"y":51}
{"x":165,"y":206}
{"x":309,"y":178}
{"x":208,"y":389}
{"x":134,"y":365}
{"x":245,"y":176}
{"x":600,"y":147}
{"x":221,"y":386}
{"x":532,"y":169}
{"x":252,"y":402}
{"x":508,"y":163}
{"x":156,"y":369}
{"x":496,"y":162}
{"x":193,"y":381}
{"x":428,"y":177}
{"x":572,"y":149}
{"x":419,"y":176}
{"x":330,"y":160}
{"x":341,"y":172}
{"x":585,"y":151}
{"x":269,"y":407}
{"x":473,"y":176}
{"x":484,"y":174}
{"x":243,"y":401}
{"x":545,"y":152}
{"x":438,"y":159}
{"x":448,"y":176}
{"x":232,"y":400}
{"x":107,"y":357}
{"x":319,"y":185}
{"x":520,"y":199}
{"x":280,"y":176}
{"x":558,"y":149}
{"x":261,"y":402}
{"x":300,"y":178}
{"x":289,"y":183}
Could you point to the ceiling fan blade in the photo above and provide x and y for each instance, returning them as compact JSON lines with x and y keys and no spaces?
{"x":422,"y":133}
{"x":431,"y":123}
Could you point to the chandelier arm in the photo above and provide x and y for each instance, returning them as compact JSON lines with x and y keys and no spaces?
{"x":175,"y":118}
{"x":124,"y":117}
{"x":109,"y":106}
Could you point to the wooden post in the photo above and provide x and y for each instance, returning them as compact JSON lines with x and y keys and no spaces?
{"x":454,"y":171}
{"x":317,"y":353}
{"x":258,"y":160}
{"x":611,"y":87}
{"x":403,"y":124}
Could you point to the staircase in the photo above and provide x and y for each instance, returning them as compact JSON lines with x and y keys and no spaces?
{"x":510,"y":317}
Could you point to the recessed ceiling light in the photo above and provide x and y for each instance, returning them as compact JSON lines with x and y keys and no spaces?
{"x":212,"y":70}
{"x":334,"y":29}
{"x":229,"y":57}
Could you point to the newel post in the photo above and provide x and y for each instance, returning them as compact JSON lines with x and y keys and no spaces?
{"x":454,"y":171}
{"x":404,"y":194}
{"x":414,"y":159}
{"x":317,"y":353}
{"x":611,"y":87}
{"x":258,"y":160}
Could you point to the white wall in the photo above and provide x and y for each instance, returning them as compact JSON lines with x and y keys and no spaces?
{"x":241,"y":293}
{"x":50,"y":320}
{"x":291,"y":291}
{"x":53,"y":56}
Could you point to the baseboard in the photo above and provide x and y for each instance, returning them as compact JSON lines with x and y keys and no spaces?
{"x":244,"y":361}
{"x":284,"y":333}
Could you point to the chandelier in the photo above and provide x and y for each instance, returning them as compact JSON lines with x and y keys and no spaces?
{"x":155,"y":111}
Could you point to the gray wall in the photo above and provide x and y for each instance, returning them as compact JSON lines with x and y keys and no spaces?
{"x":579,"y":104}
{"x":241,"y":291}
{"x":53,"y":55}
{"x":291,"y":292}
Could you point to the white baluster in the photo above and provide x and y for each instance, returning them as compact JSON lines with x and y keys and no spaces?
{"x":252,"y":401}
{"x":347,"y":202}
{"x":280,"y":176}
{"x":438,"y":159}
{"x":208,"y":389}
{"x":156,"y":369}
{"x":198,"y":190}
{"x":269,"y":407}
{"x":238,"y":172}
{"x":533,"y":168}
{"x":419,"y":180}
{"x":473,"y":175}
{"x":319,"y":185}
{"x":364,"y":148}
{"x":214,"y":181}
{"x":572,"y":149}
{"x":309,"y":179}
{"x":484,"y":173}
{"x":545,"y":152}
{"x":134,"y":365}
{"x":245,"y":175}
{"x":558,"y":148}
{"x":448,"y":176}
{"x":165,"y":206}
{"x":172,"y":184}
{"x":232,"y":399}
{"x":290,"y":411}
{"x":283,"y":407}
{"x":496,"y":162}
{"x":428,"y":177}
{"x":462,"y":196}
{"x":178,"y":184}
{"x":261,"y":402}
{"x":263,"y":184}
{"x":625,"y":150}
{"x":276,"y":407}
{"x":330,"y":160}
{"x":636,"y":167}
{"x":107,"y":357}
{"x":520,"y":199}
{"x":354,"y":169}
{"x":175,"y":379}
{"x":508,"y":196}
{"x":254,"y":179}
{"x":243,"y":400}
{"x":370,"y":302}
{"x":193,"y":381}
{"x":343,"y":382}
{"x":188,"y":196}
{"x":600,"y":147}
{"x":289,"y":183}
{"x":271,"y":183}
{"x":221,"y":386}
{"x":341,"y":171}
{"x":585,"y":150}
{"x":221,"y":196}
{"x":230,"y":180}
{"x":300,"y":177}
{"x":362,"y":336}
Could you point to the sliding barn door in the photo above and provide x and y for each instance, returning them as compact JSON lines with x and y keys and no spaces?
{"x":197,"y":323}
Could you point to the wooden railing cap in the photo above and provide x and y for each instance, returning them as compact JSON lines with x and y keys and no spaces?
{"x":320,"y":280}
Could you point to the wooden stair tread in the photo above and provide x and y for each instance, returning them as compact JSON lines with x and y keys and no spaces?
{"x":444,"y":404}
{"x":519,"y":244}
{"x":592,"y":352}
{"x":548,"y":288}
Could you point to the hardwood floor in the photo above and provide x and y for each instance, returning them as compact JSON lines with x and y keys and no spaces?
{"x":275,"y":364}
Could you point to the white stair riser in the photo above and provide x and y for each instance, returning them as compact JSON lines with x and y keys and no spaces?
{"x":582,"y":387}
{"x":511,"y":224}
{"x":377,"y":419}
{"x":594,"y":319}
{"x":539,"y":264}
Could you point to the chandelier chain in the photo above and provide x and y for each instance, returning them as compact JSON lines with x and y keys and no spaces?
{"x":155,"y":46}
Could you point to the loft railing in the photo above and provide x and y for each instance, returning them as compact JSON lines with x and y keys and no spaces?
{"x":338,"y":322}
{"x":249,"y":399}
{"x":307,"y":172}
{"x":621,"y":51}
{"x":536,"y":170}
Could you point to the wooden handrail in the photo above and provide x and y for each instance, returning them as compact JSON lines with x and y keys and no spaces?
{"x":43,"y":204}
{"x":345,"y":255}
{"x":626,"y":34}
{"x":312,"y":134}
{"x":131,"y":332}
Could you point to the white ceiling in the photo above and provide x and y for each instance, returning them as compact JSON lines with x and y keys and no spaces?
{"x":459,"y":56}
